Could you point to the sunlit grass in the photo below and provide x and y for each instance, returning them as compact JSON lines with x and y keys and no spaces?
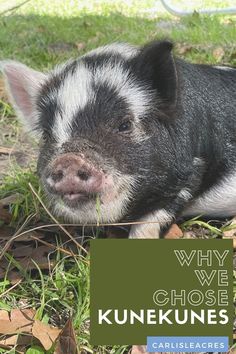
{"x":36,"y":32}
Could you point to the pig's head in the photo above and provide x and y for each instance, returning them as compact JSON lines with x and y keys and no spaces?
{"x":100,"y":119}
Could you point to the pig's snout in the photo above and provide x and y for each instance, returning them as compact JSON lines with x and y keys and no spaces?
{"x":74,"y":178}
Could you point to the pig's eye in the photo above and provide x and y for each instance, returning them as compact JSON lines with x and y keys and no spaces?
{"x":125,"y":126}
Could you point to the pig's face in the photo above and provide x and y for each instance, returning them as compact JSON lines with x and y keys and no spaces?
{"x":97,"y":118}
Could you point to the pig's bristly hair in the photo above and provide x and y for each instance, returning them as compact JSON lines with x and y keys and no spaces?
{"x":74,"y":86}
{"x":80,"y":106}
{"x":183,"y":111}
{"x":142,"y":79}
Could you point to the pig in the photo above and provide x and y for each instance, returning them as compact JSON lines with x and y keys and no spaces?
{"x":131,"y":134}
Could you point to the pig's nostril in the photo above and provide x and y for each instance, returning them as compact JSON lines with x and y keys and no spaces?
{"x":84,"y":176}
{"x":57,"y":176}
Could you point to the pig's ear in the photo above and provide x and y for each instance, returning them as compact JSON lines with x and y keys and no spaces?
{"x":23,"y":85}
{"x":157,"y":64}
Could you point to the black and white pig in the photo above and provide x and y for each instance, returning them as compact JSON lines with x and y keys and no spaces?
{"x":132,"y":134}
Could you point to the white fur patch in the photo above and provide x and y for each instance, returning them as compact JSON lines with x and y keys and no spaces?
{"x":226,"y":68}
{"x":219,"y":201}
{"x":125,"y":50}
{"x":75,"y":92}
{"x":151,"y":229}
{"x":185,"y":194}
{"x":116,"y":77}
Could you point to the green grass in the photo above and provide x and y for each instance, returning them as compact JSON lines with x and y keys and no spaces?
{"x":44,"y":33}
{"x":65,"y":287}
{"x":34,"y":33}
{"x":17,"y":182}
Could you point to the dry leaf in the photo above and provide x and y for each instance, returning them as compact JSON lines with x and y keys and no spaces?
{"x":28,"y":257}
{"x":231,"y":234}
{"x":4,"y":316}
{"x":218,"y":53}
{"x":46,"y":334}
{"x":6,"y":150}
{"x":174,"y":232}
{"x":25,"y":316}
{"x":13,"y":198}
{"x":183,"y":48}
{"x":66,"y":342}
{"x":80,"y":45}
{"x":15,"y":340}
{"x":13,"y":276}
{"x":18,"y":321}
{"x":139,"y":349}
{"x":23,"y":251}
{"x":39,"y":256}
{"x":6,"y":232}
